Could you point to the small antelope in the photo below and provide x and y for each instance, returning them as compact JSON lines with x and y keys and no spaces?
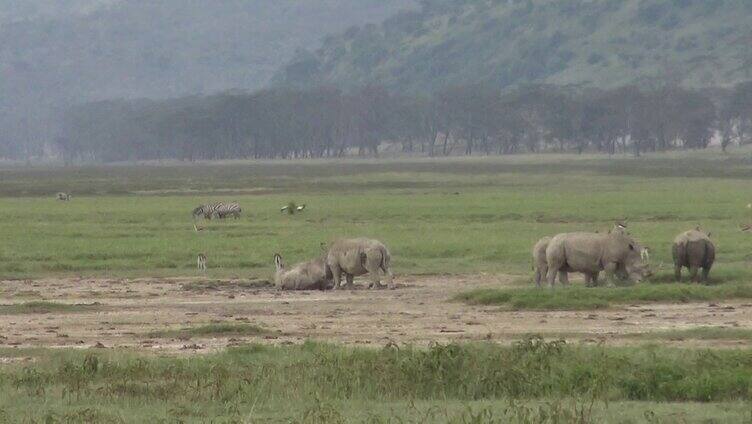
{"x":201,"y":262}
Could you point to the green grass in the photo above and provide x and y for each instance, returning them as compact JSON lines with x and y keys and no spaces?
{"x":582,"y":298}
{"x":135,"y":220}
{"x":323,"y":383}
{"x":44,"y":307}
{"x":463,"y":215}
{"x":211,"y":330}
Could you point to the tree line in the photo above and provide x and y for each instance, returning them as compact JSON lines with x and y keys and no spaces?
{"x":467,"y":120}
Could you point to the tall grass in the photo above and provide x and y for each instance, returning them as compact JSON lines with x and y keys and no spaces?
{"x":252,"y":380}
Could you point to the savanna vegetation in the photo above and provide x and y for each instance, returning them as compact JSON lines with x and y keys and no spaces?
{"x":135,"y":220}
{"x":441,"y":215}
{"x":531,"y":381}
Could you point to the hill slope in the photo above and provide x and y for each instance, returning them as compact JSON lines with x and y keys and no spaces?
{"x":599,"y":42}
{"x":145,"y":48}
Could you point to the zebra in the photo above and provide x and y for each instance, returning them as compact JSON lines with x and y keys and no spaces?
{"x":219,"y":210}
{"x":63,"y":196}
{"x":201,"y":262}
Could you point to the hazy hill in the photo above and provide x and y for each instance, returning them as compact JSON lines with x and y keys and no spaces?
{"x":23,"y":10}
{"x":133,"y":48}
{"x":600,"y":42}
{"x":58,"y":52}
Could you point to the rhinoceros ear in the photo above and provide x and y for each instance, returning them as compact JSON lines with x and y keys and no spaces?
{"x":631,"y":246}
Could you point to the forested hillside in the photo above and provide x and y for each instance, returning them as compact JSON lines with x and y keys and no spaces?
{"x":471,"y":119}
{"x":604,"y":43}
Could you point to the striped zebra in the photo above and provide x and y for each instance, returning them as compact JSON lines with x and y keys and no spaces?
{"x":219,"y":210}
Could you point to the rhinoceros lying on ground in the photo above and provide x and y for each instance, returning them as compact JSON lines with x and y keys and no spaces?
{"x":312,"y":275}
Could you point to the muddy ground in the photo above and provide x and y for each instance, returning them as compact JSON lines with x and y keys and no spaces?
{"x":122,"y":313}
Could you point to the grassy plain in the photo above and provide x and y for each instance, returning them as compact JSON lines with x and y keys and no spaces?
{"x":455,"y":216}
{"x":442,"y":216}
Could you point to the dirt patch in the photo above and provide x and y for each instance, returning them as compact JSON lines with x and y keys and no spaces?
{"x":417,"y":312}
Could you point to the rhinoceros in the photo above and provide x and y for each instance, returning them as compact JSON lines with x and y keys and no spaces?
{"x":540,"y":266}
{"x":693,"y":249}
{"x":311,"y":275}
{"x":354,"y":257}
{"x":590,"y":253}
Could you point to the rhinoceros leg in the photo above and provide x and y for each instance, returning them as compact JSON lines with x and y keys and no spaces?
{"x":373,"y":266}
{"x":591,"y":279}
{"x":677,"y":272}
{"x":375,"y":280}
{"x":563,"y":278}
{"x":389,"y":277}
{"x":551,"y":276}
{"x":349,"y":278}
{"x":610,"y":269}
{"x":693,"y":269}
{"x":337,"y":275}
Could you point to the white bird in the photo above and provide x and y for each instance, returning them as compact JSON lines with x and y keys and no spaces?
{"x":284,"y":209}
{"x":300,"y":208}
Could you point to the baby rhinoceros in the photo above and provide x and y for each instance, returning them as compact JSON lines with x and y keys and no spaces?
{"x":312,"y":275}
{"x":693,"y":249}
{"x":359,"y":256}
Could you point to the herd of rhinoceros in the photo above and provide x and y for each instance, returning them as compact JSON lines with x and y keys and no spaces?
{"x":617,"y":254}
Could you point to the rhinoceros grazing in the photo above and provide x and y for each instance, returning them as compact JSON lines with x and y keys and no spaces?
{"x":693,"y":249}
{"x":590,"y":253}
